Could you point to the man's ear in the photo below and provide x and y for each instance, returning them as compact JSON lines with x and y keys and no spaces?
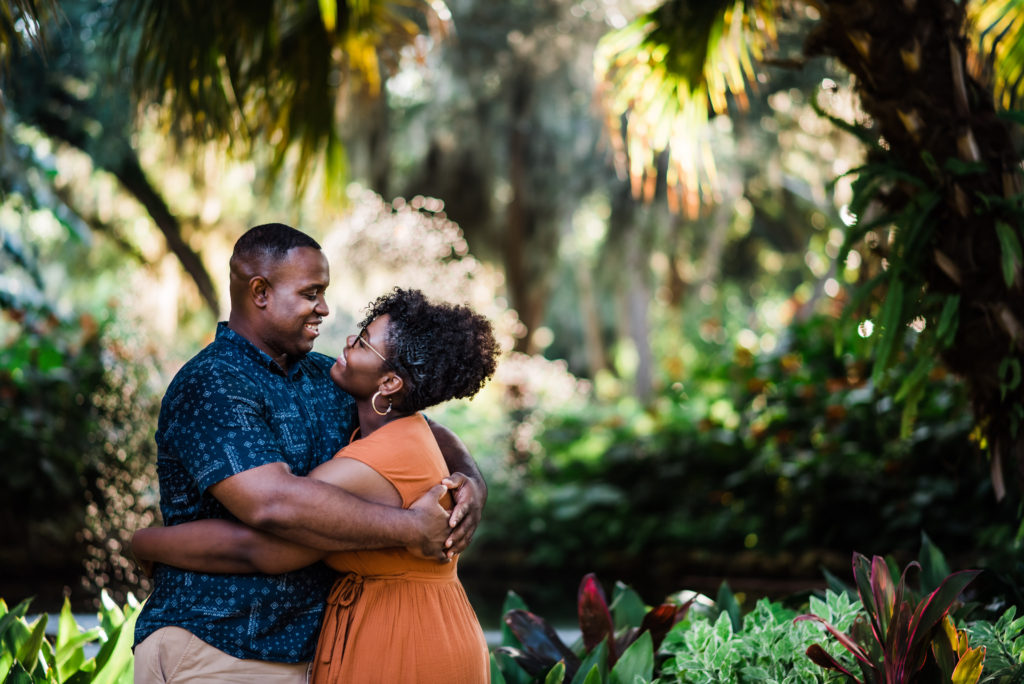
{"x":391,"y":384}
{"x":259,"y":291}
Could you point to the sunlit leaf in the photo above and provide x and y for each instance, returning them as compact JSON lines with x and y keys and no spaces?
{"x":665,"y":71}
{"x":997,"y":27}
{"x":1012,"y":256}
{"x":556,"y":675}
{"x":968,"y":669}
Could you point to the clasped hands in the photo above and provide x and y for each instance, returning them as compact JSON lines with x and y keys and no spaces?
{"x":446,"y":534}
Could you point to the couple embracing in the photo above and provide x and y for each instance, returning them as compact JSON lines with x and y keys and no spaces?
{"x":273,"y":458}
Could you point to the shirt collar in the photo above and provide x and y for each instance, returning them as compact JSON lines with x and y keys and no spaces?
{"x":254,"y":353}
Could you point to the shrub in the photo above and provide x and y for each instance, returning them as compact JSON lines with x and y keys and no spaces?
{"x":77,"y":415}
{"x":29,"y":654}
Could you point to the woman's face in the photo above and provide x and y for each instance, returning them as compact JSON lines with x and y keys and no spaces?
{"x":362,"y":363}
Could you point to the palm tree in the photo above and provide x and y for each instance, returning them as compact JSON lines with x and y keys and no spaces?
{"x":285,"y":72}
{"x":938,"y":200}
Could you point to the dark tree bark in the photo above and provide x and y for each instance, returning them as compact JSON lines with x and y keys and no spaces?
{"x":909,"y":60}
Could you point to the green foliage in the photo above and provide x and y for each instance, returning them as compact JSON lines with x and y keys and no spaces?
{"x":1003,"y":642}
{"x":768,"y":647}
{"x":619,"y":649}
{"x":772,"y":452}
{"x":77,"y":414}
{"x":903,"y":628}
{"x":29,"y":654}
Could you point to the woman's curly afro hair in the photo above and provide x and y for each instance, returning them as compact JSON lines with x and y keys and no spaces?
{"x":442,"y":351}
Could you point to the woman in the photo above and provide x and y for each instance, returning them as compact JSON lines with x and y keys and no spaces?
{"x":391,"y":616}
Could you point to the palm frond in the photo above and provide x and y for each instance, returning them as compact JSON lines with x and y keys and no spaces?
{"x":660,"y":77}
{"x":997,"y":27}
{"x":247,"y":71}
{"x":20,"y":22}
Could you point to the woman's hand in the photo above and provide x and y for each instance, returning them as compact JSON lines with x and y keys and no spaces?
{"x":469,"y":507}
{"x":146,"y":565}
{"x":433,"y":525}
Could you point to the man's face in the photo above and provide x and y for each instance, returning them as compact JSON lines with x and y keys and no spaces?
{"x":295,"y":304}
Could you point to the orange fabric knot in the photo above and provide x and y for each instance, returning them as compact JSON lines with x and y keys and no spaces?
{"x":346,"y":590}
{"x":337,"y":618}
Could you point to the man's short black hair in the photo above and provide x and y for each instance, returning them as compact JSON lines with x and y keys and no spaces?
{"x":270,"y":240}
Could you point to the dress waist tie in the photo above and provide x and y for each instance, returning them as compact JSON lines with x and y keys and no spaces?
{"x":337,"y":617}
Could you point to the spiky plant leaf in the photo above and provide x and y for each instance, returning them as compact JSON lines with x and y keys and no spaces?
{"x":664,"y":72}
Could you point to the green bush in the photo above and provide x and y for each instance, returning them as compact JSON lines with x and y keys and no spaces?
{"x":29,"y":654}
{"x":77,"y":415}
{"x":778,"y":460}
{"x":767,"y":648}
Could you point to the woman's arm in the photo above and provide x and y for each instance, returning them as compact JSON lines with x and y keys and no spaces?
{"x":470,"y":490}
{"x":221,"y":546}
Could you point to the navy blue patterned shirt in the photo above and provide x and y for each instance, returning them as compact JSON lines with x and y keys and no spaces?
{"x":229,"y":409}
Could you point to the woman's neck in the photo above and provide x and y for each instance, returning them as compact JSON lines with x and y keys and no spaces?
{"x":370,"y":420}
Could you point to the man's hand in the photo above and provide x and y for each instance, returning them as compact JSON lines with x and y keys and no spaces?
{"x":433,"y":521}
{"x":469,"y":506}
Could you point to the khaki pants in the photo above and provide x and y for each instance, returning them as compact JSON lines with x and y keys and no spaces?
{"x":172,"y":654}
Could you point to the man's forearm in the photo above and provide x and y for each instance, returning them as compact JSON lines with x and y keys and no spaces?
{"x":310,"y":512}
{"x":325,"y":517}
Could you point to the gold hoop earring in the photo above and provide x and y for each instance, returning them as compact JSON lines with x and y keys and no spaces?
{"x":373,"y":405}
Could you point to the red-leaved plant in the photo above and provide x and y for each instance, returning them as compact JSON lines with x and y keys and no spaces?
{"x":893,"y":643}
{"x":542,"y":648}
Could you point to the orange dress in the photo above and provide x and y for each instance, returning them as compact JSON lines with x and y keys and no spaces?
{"x":393,"y":617}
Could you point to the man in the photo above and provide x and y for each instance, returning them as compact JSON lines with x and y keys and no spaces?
{"x":239,"y":426}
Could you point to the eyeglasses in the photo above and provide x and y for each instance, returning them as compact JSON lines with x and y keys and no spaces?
{"x":362,"y":339}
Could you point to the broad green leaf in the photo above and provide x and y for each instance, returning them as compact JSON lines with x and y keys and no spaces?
{"x":28,"y":652}
{"x":10,"y":618}
{"x":1011,"y":253}
{"x":496,"y":676}
{"x":891,"y":333}
{"x":18,"y":675}
{"x":556,"y":674}
{"x":595,"y":660}
{"x":111,"y":616}
{"x":638,"y":660}
{"x":968,"y":670}
{"x":1009,"y":375}
{"x":628,"y":609}
{"x":934,"y":567}
{"x":725,"y":601}
{"x":513,"y":601}
{"x":593,"y":676}
{"x":118,"y":661}
{"x":69,"y":654}
{"x":948,"y":321}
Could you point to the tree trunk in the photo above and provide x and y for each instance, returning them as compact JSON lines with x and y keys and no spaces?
{"x":527,"y":285}
{"x":909,"y":59}
{"x":64,"y":117}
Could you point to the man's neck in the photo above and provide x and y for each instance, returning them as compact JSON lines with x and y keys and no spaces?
{"x":241,"y":327}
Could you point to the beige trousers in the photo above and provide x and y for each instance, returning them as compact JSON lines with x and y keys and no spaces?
{"x":172,"y":654}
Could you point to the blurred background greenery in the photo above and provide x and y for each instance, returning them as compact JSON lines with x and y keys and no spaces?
{"x":703,"y":378}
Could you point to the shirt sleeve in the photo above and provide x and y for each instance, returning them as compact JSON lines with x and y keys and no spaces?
{"x":218,"y":426}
